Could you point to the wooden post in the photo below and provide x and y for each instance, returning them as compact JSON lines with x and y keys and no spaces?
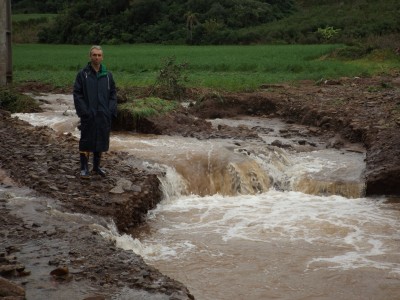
{"x":5,"y":43}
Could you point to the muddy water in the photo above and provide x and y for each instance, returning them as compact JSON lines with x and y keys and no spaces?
{"x":43,"y":214}
{"x":247,"y":220}
{"x":284,"y":245}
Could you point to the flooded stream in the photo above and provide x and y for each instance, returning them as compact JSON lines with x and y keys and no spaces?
{"x":250,"y":220}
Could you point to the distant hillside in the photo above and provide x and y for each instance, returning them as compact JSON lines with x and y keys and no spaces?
{"x":375,"y":23}
{"x":25,"y":27}
{"x":354,"y":20}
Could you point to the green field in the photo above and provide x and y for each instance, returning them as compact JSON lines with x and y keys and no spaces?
{"x":235,"y":68}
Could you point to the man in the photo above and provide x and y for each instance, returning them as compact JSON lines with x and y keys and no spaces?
{"x":95,"y":102}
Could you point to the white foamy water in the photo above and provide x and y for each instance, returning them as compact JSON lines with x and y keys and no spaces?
{"x":357,"y":224}
{"x":254,"y":241}
{"x":58,"y":113}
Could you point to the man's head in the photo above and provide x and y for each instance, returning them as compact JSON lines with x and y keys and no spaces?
{"x":96,"y":56}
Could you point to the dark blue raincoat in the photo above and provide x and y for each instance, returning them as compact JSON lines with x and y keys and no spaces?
{"x":95,"y":102}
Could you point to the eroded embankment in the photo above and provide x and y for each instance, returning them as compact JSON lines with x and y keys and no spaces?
{"x":47,"y":163}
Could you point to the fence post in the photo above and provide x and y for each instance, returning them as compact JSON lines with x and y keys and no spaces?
{"x":5,"y":43}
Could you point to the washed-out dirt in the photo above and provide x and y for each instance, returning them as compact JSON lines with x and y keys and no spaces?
{"x":363,"y":110}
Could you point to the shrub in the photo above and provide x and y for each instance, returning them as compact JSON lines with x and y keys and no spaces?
{"x":170,"y":80}
{"x":328,"y":32}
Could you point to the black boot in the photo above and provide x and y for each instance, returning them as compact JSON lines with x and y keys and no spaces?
{"x":84,"y":156}
{"x":96,"y":164}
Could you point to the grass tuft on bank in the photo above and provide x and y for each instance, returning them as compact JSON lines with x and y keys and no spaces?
{"x":15,"y":102}
{"x":146,"y":107}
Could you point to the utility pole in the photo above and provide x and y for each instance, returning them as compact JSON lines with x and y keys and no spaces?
{"x":5,"y":43}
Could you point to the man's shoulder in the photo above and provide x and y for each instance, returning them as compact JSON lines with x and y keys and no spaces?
{"x":83,"y":73}
{"x":84,"y":69}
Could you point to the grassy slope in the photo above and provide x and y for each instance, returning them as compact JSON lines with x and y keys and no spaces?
{"x":356,"y":19}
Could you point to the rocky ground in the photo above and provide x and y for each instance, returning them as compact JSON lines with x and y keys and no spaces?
{"x":365,"y":110}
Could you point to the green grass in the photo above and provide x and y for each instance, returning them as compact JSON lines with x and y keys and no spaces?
{"x":234,"y":68}
{"x":146,"y":107}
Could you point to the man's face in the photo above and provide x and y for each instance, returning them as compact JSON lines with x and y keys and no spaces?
{"x":96,"y":57}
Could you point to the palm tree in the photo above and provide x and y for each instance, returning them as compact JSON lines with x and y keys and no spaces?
{"x":191,"y":21}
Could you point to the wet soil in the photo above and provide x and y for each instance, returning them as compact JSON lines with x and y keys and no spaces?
{"x":363,"y":110}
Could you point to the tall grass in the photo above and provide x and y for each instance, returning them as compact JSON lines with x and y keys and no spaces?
{"x":221,"y":67}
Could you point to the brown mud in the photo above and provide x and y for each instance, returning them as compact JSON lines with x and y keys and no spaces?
{"x":363,"y":110}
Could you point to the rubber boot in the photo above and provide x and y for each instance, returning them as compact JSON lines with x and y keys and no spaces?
{"x":84,"y":157}
{"x":96,"y":164}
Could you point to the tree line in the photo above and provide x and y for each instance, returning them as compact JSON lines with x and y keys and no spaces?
{"x":195,"y":22}
{"x":153,"y":21}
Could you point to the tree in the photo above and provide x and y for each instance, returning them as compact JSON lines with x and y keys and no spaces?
{"x":191,"y":21}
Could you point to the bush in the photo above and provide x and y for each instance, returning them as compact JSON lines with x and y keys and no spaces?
{"x":328,"y":32}
{"x":170,"y":80}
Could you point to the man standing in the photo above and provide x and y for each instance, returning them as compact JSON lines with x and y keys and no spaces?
{"x":95,"y":102}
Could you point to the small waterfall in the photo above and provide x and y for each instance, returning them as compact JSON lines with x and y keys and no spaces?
{"x":253,"y":170}
{"x":274,"y":161}
{"x":223,"y":173}
{"x":245,"y":178}
{"x":242,"y":177}
{"x":173,"y":184}
{"x":349,"y":189}
{"x":322,"y":172}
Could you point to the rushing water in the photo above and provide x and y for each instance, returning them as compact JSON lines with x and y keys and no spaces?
{"x":247,"y":220}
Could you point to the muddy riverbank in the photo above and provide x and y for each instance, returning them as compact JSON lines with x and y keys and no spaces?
{"x":46,"y":163}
